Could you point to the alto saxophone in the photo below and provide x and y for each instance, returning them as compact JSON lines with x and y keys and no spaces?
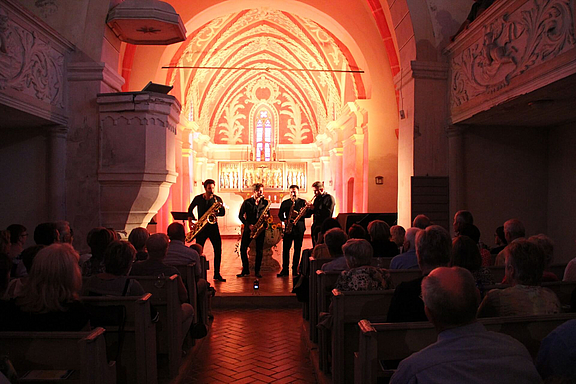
{"x":259,"y":226}
{"x":291,"y":223}
{"x":209,"y":217}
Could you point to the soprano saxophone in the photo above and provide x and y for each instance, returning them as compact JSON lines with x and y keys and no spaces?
{"x":209,"y":217}
{"x":259,"y":226}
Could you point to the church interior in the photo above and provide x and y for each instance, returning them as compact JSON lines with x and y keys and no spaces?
{"x":115,"y":112}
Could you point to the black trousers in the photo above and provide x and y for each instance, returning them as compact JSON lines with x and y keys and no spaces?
{"x":296,"y":238}
{"x":212,"y":232}
{"x":244,"y":250}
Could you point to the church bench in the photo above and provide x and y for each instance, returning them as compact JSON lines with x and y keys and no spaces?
{"x":348,"y":308}
{"x":381,"y":262}
{"x":562,"y":289}
{"x":315,"y":265}
{"x":82,"y":352}
{"x":136,"y":360}
{"x":189,"y":278}
{"x":165,"y":300}
{"x":498,"y":271}
{"x":398,"y":276}
{"x":205,"y":266}
{"x":324,"y":283}
{"x":396,"y":341}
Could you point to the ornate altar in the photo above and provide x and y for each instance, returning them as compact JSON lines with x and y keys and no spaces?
{"x":277,"y":176}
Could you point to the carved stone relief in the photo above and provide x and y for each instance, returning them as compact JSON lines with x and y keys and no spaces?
{"x":29,"y":64}
{"x":512,"y":44}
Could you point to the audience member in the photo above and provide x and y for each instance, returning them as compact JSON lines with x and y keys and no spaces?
{"x":334,"y":239}
{"x":5,"y":268}
{"x":118,"y":259}
{"x":18,"y":237}
{"x":465,"y":254}
{"x":46,"y":234}
{"x":408,"y":259}
{"x":379,"y":232}
{"x":513,"y":230}
{"x":16,"y":286}
{"x":462,"y":219}
{"x":356,"y":231}
{"x":178,"y":252}
{"x":157,"y":245}
{"x":465,"y":351}
{"x":98,"y":241}
{"x":421,"y":221}
{"x":5,"y":245}
{"x":546,"y":246}
{"x":397,"y":234}
{"x":138,"y":237}
{"x":320,"y":250}
{"x":557,"y":356}
{"x":433,"y":250}
{"x":361,"y":276}
{"x":524,"y":265}
{"x":50,"y":301}
{"x":66,"y":235}
{"x":570,"y":271}
{"x":499,"y":241}
{"x":472,"y":232}
{"x":478,"y":7}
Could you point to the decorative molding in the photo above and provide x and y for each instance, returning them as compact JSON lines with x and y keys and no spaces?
{"x":94,"y":71}
{"x":429,"y":70}
{"x":515,"y":41}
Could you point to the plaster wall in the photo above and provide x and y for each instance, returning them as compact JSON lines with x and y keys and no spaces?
{"x":23,"y":152}
{"x":506,"y":176}
{"x":561,"y":187}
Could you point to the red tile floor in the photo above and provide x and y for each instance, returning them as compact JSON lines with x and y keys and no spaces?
{"x":251,"y":344}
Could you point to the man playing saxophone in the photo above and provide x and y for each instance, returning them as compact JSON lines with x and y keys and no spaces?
{"x":253,"y":210}
{"x":211,"y":231}
{"x":322,"y":208}
{"x":293,"y":232}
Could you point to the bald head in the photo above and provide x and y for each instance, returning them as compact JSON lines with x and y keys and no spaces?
{"x":410,"y":239}
{"x":450,"y":297}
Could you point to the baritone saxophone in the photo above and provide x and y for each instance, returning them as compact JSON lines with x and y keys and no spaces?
{"x":209,"y":217}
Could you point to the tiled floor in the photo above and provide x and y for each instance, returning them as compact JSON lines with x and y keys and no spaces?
{"x":251,"y":346}
{"x":232,"y":265}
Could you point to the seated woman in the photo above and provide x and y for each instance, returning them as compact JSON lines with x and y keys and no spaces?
{"x":379,"y":232}
{"x":524,"y":265}
{"x":98,"y":240}
{"x":138,"y":238}
{"x":465,"y":254}
{"x":50,"y":301}
{"x":118,"y":260}
{"x":361,"y":276}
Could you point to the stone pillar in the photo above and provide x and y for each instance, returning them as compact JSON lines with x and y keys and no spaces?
{"x":336,"y":162}
{"x":56,"y":172}
{"x":456,"y":169}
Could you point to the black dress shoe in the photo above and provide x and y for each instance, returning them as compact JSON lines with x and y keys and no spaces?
{"x":258,"y":275}
{"x":243,"y":274}
{"x":282,"y":274}
{"x":219,"y":278}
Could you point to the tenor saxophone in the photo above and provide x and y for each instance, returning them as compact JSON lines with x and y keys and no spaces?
{"x":209,"y":217}
{"x":259,"y":226}
{"x":291,"y":223}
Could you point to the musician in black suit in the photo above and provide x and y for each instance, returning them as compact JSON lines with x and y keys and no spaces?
{"x":322,"y":208}
{"x":293,"y":233}
{"x":210,"y":231}
{"x":251,"y":210}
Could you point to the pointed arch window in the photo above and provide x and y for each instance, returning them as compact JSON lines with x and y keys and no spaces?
{"x":263,"y":135}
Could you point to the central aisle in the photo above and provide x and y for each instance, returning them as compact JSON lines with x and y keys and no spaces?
{"x":250,"y":346}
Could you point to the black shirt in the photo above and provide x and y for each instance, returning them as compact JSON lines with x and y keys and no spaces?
{"x":249,"y":212}
{"x":323,"y":208}
{"x":284,"y":213}
{"x":203,"y":205}
{"x":406,"y":303}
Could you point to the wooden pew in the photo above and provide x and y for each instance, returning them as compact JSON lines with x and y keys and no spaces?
{"x":189,"y":278}
{"x":165,"y":300}
{"x":82,"y":352}
{"x":396,"y":341}
{"x":136,"y":362}
{"x":498,"y":271}
{"x":326,"y":282}
{"x":381,"y":262}
{"x":205,"y":266}
{"x":314,"y":266}
{"x":348,"y":308}
{"x":402,"y":275}
{"x":562,"y":289}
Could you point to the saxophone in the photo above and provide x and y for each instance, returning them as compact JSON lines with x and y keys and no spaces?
{"x":259,"y":226}
{"x":302,"y":212}
{"x":209,"y":217}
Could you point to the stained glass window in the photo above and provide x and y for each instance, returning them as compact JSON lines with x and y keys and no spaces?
{"x":263,"y":135}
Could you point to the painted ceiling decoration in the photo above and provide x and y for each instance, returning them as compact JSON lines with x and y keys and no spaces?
{"x":223,"y":101}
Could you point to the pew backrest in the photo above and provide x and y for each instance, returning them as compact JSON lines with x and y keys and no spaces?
{"x":136,"y":362}
{"x":189,"y":278}
{"x":562,"y":289}
{"x":398,"y":276}
{"x":82,"y":352}
{"x":314,"y":266}
{"x":381,"y":262}
{"x":498,"y":271}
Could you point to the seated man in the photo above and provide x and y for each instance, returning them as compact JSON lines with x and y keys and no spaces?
{"x":433,"y":250}
{"x":465,"y":351}
{"x":524,"y":265}
{"x":556,"y":355}
{"x":178,"y":252}
{"x":334,"y":240}
{"x":157,"y":245}
{"x":408,"y":259}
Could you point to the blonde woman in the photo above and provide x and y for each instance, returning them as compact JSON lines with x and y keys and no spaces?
{"x":50,"y":301}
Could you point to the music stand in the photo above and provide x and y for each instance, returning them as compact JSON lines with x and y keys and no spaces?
{"x":158,"y":88}
{"x":180,"y":216}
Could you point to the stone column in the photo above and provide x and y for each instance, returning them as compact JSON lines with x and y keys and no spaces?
{"x":56,"y":172}
{"x":456,"y":168}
